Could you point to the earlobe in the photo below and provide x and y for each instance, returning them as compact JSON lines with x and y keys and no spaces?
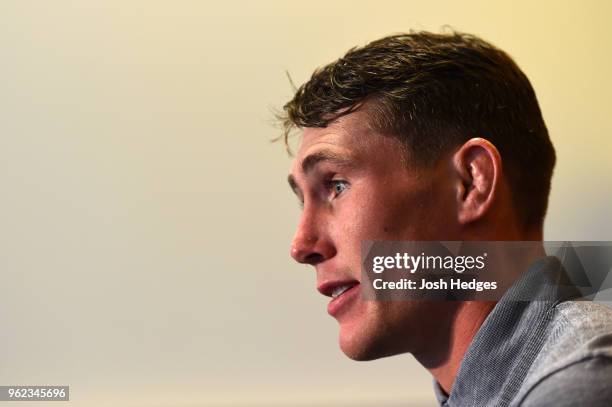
{"x":477,"y":164}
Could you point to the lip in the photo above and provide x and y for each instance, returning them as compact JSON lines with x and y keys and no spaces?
{"x":327,"y":287}
{"x":340,"y":304}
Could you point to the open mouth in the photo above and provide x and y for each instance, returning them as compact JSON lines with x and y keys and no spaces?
{"x":344,"y":297}
{"x":336,"y":288}
{"x":338,"y":291}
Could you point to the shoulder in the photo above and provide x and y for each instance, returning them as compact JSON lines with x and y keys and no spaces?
{"x":577,"y":330}
{"x":574,"y":365}
{"x":587,"y":315}
{"x":583,"y":383}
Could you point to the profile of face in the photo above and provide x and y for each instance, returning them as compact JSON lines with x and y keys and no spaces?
{"x":356,"y":185}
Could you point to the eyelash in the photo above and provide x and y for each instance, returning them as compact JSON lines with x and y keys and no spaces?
{"x":332,"y":184}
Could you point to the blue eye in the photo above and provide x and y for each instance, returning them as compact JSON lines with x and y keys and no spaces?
{"x":338,"y":186}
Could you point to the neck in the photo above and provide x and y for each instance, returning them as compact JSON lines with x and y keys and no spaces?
{"x":457,"y":324}
{"x":443,"y":363}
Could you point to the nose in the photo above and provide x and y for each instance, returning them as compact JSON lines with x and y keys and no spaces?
{"x":311,"y":244}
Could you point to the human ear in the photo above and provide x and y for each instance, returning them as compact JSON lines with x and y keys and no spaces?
{"x":477,"y":164}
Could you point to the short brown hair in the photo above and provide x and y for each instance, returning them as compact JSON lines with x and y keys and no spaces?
{"x":434,"y":92}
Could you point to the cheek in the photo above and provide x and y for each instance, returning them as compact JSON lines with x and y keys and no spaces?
{"x":355,"y":224}
{"x":367,"y":221}
{"x":413,"y":212}
{"x":418,"y":215}
{"x":374,"y":216}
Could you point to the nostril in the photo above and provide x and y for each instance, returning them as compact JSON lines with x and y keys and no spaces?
{"x":313,"y":259}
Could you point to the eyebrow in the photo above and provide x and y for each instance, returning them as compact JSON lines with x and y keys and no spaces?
{"x":312,"y":160}
{"x":333,"y":157}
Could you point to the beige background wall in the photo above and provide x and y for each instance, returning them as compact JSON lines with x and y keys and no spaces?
{"x":145,"y":218}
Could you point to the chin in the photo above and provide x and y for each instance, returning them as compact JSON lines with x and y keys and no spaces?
{"x":363,"y":344}
{"x":379,"y":330}
{"x":359,"y":354}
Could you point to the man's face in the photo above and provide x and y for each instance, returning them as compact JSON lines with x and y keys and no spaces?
{"x":355,"y":186}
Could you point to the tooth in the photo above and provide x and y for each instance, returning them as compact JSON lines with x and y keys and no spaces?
{"x":338,"y":291}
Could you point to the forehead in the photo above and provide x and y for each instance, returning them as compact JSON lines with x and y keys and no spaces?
{"x":350,"y":136}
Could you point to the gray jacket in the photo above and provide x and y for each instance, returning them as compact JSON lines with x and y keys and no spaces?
{"x":551,"y":351}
